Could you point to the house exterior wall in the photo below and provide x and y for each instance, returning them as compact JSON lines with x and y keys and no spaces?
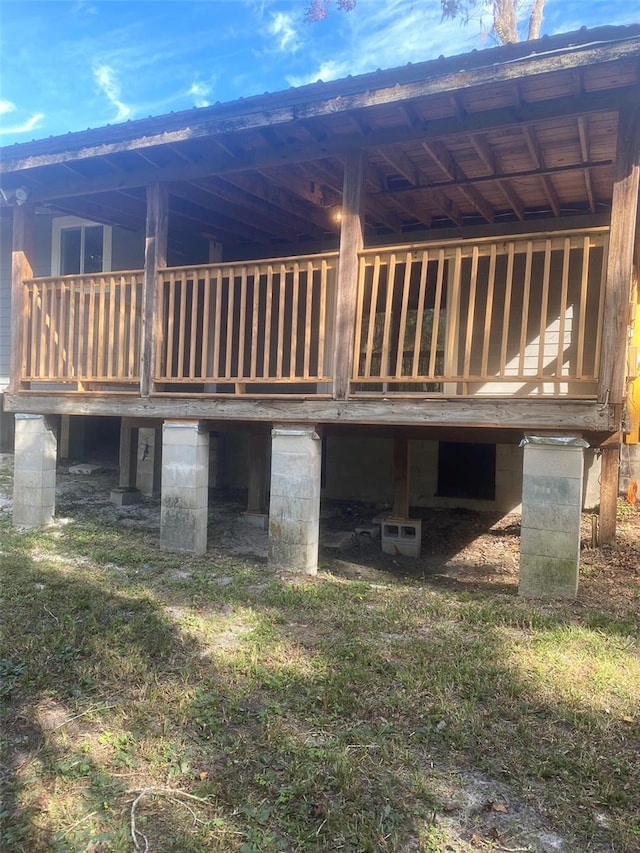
{"x":361,"y":469}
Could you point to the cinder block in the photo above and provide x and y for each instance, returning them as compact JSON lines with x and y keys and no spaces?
{"x":257,"y":519}
{"x":558,"y":490}
{"x":124,"y":496}
{"x":402,"y":536}
{"x":551,"y":516}
{"x":547,"y":577}
{"x":292,"y":558}
{"x":294,"y":510}
{"x":545,"y":460}
{"x":559,"y":544}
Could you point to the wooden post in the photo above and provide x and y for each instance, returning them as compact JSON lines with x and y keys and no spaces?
{"x":21,"y":269}
{"x":128,"y":457}
{"x":155,"y":258}
{"x":351,"y":243}
{"x":400,"y":477}
{"x":259,"y":448}
{"x":624,"y":206}
{"x":609,"y":473}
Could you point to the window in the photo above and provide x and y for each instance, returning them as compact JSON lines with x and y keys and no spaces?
{"x":467,"y":470}
{"x":80,"y":247}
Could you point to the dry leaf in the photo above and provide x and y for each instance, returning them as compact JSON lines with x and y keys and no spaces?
{"x":499,"y":807}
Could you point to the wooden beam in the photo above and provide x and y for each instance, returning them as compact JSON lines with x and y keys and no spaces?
{"x":585,"y":145}
{"x":624,"y":208}
{"x":442,"y":158}
{"x":609,"y":474}
{"x":529,"y":414}
{"x":155,"y":258}
{"x":351,"y":243}
{"x":487,"y":158}
{"x":258,"y":456}
{"x":230,"y":204}
{"x":538,"y":160}
{"x":400,"y":477}
{"x":21,"y":270}
{"x":401,"y":164}
{"x":407,"y":169}
{"x":334,"y":145}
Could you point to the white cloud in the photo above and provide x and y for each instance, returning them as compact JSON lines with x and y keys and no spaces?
{"x":282,"y":28}
{"x":199,"y":91}
{"x":25,"y":127}
{"x":389,"y":34}
{"x":108,"y":84}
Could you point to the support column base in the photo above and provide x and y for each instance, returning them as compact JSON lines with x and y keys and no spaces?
{"x":123,"y":496}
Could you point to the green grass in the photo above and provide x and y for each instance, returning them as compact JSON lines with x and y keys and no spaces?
{"x":322,"y":714}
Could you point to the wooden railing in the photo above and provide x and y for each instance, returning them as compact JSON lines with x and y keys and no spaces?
{"x":517,"y":316}
{"x":521,"y":316}
{"x":265,"y":322}
{"x":82,"y":329}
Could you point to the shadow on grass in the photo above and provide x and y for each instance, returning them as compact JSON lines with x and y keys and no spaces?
{"x":314,"y":715}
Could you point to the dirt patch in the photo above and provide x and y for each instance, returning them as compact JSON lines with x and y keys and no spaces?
{"x":459,"y":547}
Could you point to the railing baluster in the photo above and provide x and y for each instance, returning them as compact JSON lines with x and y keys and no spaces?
{"x":308,"y":331}
{"x":488,"y":312}
{"x":422,"y":289}
{"x":266,"y":359}
{"x":91,"y":340}
{"x":293,"y":348}
{"x":524,"y":324}
{"x":563,"y":305}
{"x":281,"y":307}
{"x":583,"y":306}
{"x":435,"y":329}
{"x":603,"y":278}
{"x":193,"y":337}
{"x":507,"y":309}
{"x":324,"y":273}
{"x":473,"y":282}
{"x":182,"y":323}
{"x":403,"y":313}
{"x":228,"y":374}
{"x":206,"y":307}
{"x":544,"y":307}
{"x":216,"y":331}
{"x":375,"y":284}
{"x":169,"y":372}
{"x":255,"y":322}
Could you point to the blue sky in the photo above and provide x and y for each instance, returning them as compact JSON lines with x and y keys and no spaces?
{"x":71,"y":64}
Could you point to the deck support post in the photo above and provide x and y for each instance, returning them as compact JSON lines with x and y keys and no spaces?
{"x":71,"y":444}
{"x":294,"y":512}
{"x":551,"y":508}
{"x":126,"y":493}
{"x":609,"y":474}
{"x":34,"y":482}
{"x":149,"y":467}
{"x":155,"y":258}
{"x":400,"y":477}
{"x":21,"y":269}
{"x":351,"y":243}
{"x":617,"y":312}
{"x":257,"y":508}
{"x":620,"y":264}
{"x":185,"y":487}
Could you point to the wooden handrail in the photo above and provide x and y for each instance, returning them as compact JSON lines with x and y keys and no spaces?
{"x":523,"y":314}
